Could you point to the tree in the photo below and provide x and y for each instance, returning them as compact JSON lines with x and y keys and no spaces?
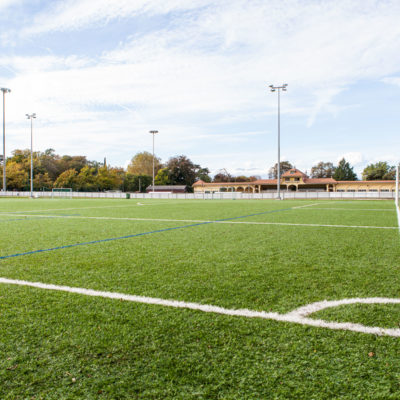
{"x":344,"y":172}
{"x":203,"y":174}
{"x":142,"y":164}
{"x":137,"y":183}
{"x":162,"y":177}
{"x":182,"y":171}
{"x":322,"y":170}
{"x":17,"y":177}
{"x":243,"y":178}
{"x":108,"y":179}
{"x":86,"y":180}
{"x":273,"y":171}
{"x":42,"y":182}
{"x":223,"y":176}
{"x":68,"y":179}
{"x":379,"y":171}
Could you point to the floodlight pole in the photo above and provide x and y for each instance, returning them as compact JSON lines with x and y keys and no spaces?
{"x":4,"y":90}
{"x":31,"y":117}
{"x":397,"y":186}
{"x":153,"y":133}
{"x":273,"y":89}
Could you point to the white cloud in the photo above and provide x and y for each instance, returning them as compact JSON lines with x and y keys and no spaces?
{"x":7,"y":3}
{"x":395,"y":80}
{"x":355,"y":158}
{"x":207,"y":68}
{"x":77,"y":14}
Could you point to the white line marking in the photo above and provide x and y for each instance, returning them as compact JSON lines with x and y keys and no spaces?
{"x":200,"y":221}
{"x":298,"y":316}
{"x":307,"y":205}
{"x":351,"y":209}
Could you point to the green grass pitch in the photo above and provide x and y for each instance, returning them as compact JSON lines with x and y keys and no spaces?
{"x":276,"y":257}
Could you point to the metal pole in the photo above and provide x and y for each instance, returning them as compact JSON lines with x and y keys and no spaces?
{"x":31,"y":157}
{"x":273,"y":89}
{"x":153,"y":162}
{"x":4,"y":141}
{"x":279,"y":143}
{"x":397,"y":187}
{"x":31,"y":116}
{"x":4,"y":90}
{"x":153,"y":133}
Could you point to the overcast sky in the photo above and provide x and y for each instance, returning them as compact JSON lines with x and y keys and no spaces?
{"x":101,"y":73}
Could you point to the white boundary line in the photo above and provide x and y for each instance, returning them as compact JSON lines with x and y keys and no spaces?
{"x":398,"y":217}
{"x":307,"y":205}
{"x":351,"y":209}
{"x":298,"y":316}
{"x":201,"y":221}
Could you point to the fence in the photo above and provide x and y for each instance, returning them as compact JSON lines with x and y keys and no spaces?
{"x":207,"y":196}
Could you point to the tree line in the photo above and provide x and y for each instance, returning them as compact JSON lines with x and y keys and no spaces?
{"x":380,"y":170}
{"x":51,"y":170}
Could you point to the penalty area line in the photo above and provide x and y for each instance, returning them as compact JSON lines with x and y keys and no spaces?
{"x":298,"y":316}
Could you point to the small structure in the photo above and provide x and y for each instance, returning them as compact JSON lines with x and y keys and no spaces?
{"x":295,"y":180}
{"x":167,"y":189}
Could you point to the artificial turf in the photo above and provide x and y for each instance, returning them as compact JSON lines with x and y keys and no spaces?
{"x":62,"y":345}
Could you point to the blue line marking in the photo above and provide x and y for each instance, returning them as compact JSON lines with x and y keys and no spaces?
{"x":25,"y":218}
{"x":138,"y":234}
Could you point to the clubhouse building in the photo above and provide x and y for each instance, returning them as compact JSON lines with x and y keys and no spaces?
{"x":297,"y":181}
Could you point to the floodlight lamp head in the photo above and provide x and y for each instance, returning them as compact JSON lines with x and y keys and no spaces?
{"x":5,"y":90}
{"x":153,"y":132}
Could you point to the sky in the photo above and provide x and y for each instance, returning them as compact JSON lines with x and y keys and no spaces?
{"x":100,"y":74}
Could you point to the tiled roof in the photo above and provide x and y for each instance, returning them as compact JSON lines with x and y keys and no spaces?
{"x":266,"y":182}
{"x":294,"y":172}
{"x":388,"y":181}
{"x":319,"y":180}
{"x":167,"y":187}
{"x":201,"y":183}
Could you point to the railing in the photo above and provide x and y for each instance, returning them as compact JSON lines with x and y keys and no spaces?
{"x":206,"y":196}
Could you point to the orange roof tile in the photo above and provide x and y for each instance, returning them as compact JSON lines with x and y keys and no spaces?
{"x":294,"y":172}
{"x":319,"y":180}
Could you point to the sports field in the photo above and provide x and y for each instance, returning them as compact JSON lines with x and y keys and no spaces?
{"x":199,"y":299}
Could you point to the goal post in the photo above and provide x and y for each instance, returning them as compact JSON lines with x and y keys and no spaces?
{"x":61,"y":193}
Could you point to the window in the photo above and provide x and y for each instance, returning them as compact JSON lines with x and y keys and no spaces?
{"x":372,"y":190}
{"x":351,"y":190}
{"x":340,"y":190}
{"x":296,"y":179}
{"x":362,"y":190}
{"x":384,"y":190}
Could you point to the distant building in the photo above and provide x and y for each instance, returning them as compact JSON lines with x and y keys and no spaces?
{"x":167,"y":188}
{"x":295,"y":180}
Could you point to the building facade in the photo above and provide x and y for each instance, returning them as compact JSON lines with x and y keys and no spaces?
{"x":295,"y":180}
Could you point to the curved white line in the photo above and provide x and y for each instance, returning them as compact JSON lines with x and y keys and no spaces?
{"x":297,"y":316}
